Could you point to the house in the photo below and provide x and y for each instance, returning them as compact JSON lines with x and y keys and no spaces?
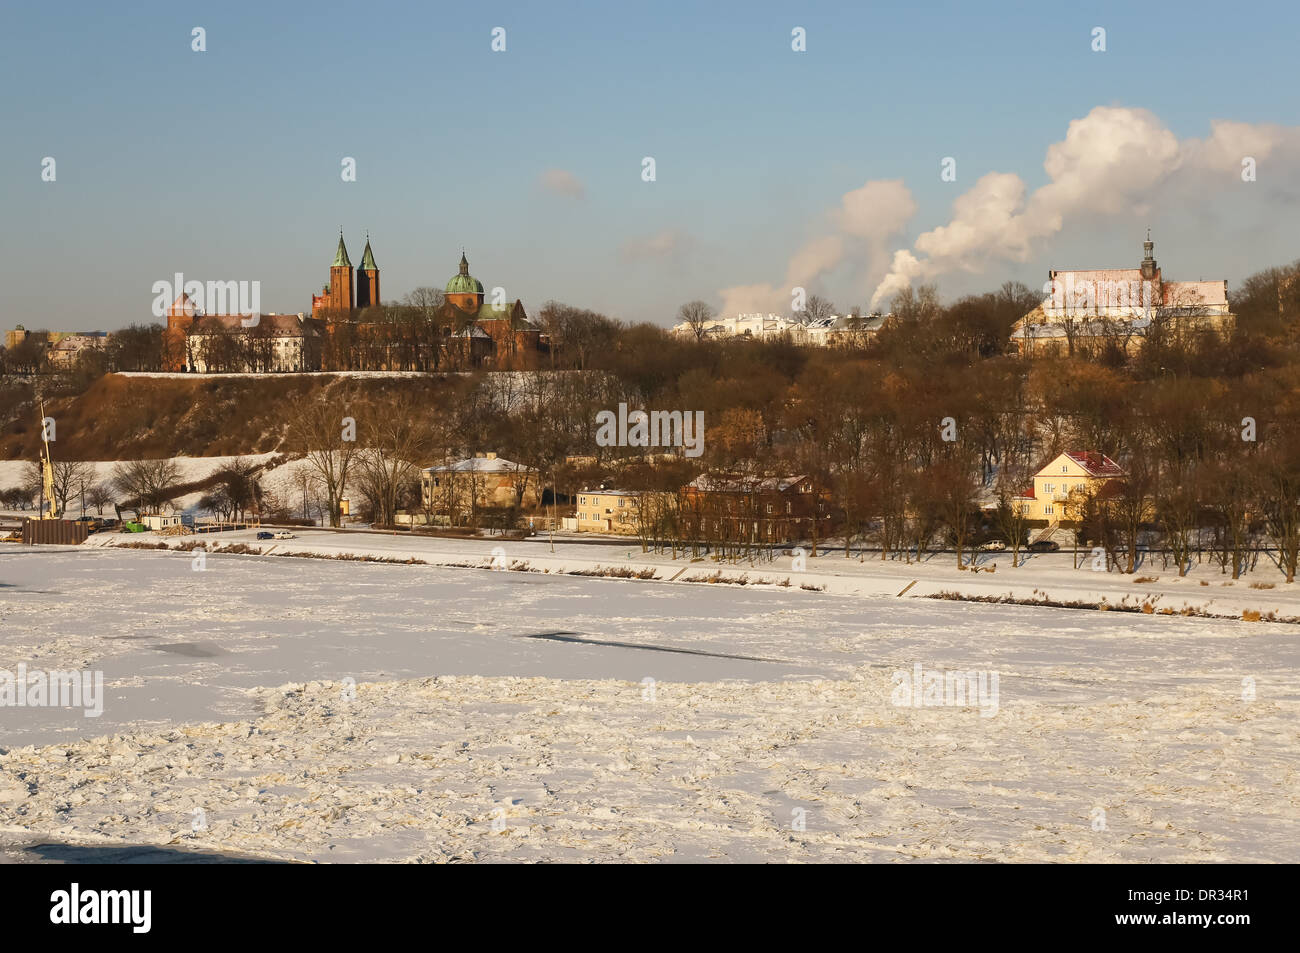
{"x":847,"y":330}
{"x":1119,"y":307}
{"x":1064,"y":481}
{"x":484,"y":481}
{"x":61,"y":347}
{"x":758,"y":508}
{"x":608,"y":511}
{"x":267,"y":343}
{"x":743,"y":325}
{"x":69,"y":347}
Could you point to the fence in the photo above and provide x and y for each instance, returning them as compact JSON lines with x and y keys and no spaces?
{"x":63,"y":532}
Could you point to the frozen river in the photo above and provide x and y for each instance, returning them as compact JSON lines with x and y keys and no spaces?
{"x":786,"y":697}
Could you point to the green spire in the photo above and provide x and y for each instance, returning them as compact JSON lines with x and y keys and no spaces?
{"x":341,"y":256}
{"x":368,"y":258}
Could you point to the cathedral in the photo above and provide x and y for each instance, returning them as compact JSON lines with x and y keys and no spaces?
{"x":346,"y":291}
{"x":350,"y":329}
{"x":470,"y":331}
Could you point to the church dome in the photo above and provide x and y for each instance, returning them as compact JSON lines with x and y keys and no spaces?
{"x":464,"y":283}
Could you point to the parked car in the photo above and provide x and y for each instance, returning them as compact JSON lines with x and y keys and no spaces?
{"x":284,"y":534}
{"x":265,"y":535}
{"x":1043,"y":546}
{"x":994,"y":546}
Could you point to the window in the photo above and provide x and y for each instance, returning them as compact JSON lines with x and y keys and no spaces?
{"x":1048,"y":510}
{"x":1049,"y":487}
{"x":1065,"y":468}
{"x":620,"y":501}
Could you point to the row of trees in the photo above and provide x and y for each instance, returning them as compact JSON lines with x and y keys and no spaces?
{"x":923,"y":434}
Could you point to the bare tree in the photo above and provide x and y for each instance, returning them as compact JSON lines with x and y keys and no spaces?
{"x":696,"y":315}
{"x":99,"y":495}
{"x":146,"y":484}
{"x":817,"y":308}
{"x":325,"y":431}
{"x":395,"y":441}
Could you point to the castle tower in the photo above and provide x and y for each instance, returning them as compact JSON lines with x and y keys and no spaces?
{"x":340,"y":298}
{"x":180,"y":319}
{"x":464,"y":290}
{"x":367,"y":279}
{"x":1149,"y":266}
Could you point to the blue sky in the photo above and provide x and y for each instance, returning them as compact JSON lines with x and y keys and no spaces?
{"x":226,"y":164}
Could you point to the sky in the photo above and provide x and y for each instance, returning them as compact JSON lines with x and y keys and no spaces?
{"x":774,"y":168}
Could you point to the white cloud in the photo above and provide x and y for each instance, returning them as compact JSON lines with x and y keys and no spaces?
{"x":668,"y":243}
{"x":863,"y":223}
{"x":562,"y":182}
{"x":1111,"y":162}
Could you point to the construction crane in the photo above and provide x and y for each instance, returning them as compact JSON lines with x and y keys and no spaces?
{"x":49,"y":506}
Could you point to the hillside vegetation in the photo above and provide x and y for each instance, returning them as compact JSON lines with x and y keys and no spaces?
{"x":123,"y":418}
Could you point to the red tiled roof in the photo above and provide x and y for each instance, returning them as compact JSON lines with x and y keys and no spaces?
{"x":1095,"y":464}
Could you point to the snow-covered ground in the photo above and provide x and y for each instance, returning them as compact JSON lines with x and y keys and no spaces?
{"x":279,"y":480}
{"x":1042,"y":577}
{"x":334,"y":710}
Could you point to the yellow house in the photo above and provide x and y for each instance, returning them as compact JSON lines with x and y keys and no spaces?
{"x":1072,"y":472}
{"x":607,"y":511}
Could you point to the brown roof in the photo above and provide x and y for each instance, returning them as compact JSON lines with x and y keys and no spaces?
{"x":279,"y":325}
{"x":1096,"y":464}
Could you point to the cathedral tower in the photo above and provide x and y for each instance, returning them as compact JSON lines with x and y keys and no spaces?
{"x":367,"y":279}
{"x":340,"y":297}
{"x":464,"y":290}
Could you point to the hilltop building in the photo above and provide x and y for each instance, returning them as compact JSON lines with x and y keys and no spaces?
{"x":832,"y":331}
{"x":349,"y":329}
{"x":1119,"y":307}
{"x":487,"y":333}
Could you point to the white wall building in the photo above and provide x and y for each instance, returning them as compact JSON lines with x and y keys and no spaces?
{"x":836,"y":329}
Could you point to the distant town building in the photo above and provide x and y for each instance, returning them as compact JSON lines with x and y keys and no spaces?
{"x":62,"y":348}
{"x":68,"y":347}
{"x":275,"y":343}
{"x":835,"y":330}
{"x":1086,"y":310}
{"x":463,"y":487}
{"x":759,"y":508}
